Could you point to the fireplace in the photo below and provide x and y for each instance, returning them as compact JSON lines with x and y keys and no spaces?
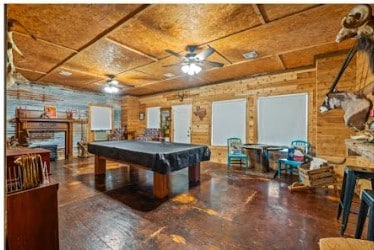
{"x":29,"y":122}
{"x":50,"y":147}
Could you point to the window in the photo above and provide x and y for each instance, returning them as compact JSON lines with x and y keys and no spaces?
{"x":282,"y":119}
{"x":228,"y":120}
{"x":101,"y":117}
{"x":153,"y":117}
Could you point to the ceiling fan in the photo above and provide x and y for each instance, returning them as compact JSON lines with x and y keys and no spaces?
{"x":192,"y":62}
{"x":113,"y":86}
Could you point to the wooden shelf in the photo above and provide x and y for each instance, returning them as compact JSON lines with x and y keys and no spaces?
{"x":36,"y":119}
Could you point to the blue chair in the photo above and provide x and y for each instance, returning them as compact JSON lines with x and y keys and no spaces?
{"x":290,"y":163}
{"x":234,"y":152}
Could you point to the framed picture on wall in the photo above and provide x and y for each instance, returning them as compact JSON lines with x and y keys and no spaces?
{"x":50,"y":111}
{"x":141,"y":116}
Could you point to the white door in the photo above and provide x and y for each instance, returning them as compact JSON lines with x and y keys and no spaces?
{"x":182,"y":123}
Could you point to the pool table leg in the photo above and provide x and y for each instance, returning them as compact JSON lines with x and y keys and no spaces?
{"x":160,"y":185}
{"x":100,"y":165}
{"x":194,"y":174}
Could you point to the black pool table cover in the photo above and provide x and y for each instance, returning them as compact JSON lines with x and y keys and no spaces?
{"x":160,"y":157}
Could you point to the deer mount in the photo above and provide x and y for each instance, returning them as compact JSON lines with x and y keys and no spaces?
{"x":200,"y":112}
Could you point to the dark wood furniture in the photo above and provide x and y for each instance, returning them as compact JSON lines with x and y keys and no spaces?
{"x":12,"y":154}
{"x":32,"y":219}
{"x":259,"y":155}
{"x":159,"y":157}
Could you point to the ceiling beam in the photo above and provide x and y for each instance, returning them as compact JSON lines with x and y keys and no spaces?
{"x":259,"y":13}
{"x":31,"y":70}
{"x":45,"y":41}
{"x":131,"y":49}
{"x":85,"y":72}
{"x":306,"y":47}
{"x":279,"y":59}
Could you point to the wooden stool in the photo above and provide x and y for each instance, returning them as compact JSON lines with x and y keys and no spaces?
{"x":351,"y":175}
{"x":340,"y":243}
{"x":367,"y":202}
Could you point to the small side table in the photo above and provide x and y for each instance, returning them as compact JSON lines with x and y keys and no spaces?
{"x":367,"y":202}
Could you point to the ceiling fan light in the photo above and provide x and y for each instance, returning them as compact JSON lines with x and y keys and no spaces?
{"x":114,"y":89}
{"x":107,"y":89}
{"x":191,"y":69}
{"x":190,"y":72}
{"x":113,"y":81}
{"x":111,"y":89}
{"x":194,"y":69}
{"x":197,"y":69}
{"x":185,"y":68}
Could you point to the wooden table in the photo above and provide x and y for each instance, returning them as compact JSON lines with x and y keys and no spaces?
{"x":259,"y":154}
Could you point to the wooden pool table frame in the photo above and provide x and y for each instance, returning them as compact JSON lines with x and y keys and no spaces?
{"x":160,"y":181}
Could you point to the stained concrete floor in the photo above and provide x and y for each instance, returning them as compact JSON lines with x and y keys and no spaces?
{"x":228,"y":210}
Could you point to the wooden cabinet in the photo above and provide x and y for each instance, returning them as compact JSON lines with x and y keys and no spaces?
{"x":32,"y":219}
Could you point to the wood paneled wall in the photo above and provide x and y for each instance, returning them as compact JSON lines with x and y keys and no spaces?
{"x":35,"y":97}
{"x":302,"y":81}
{"x":326,"y":131}
{"x":364,"y":76}
{"x":130,"y":114}
{"x":331,"y":131}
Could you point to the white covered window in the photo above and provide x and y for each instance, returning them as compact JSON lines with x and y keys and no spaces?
{"x":153,"y":117}
{"x":282,"y":119}
{"x":228,"y":120}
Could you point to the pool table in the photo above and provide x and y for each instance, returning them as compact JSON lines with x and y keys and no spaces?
{"x":160,"y":157}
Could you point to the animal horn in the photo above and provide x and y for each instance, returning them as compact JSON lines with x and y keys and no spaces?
{"x":357,"y":16}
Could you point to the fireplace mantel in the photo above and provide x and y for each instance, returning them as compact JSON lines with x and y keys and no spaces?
{"x":26,"y":125}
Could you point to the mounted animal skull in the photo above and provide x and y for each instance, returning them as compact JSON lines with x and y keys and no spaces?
{"x":356,"y":108}
{"x":359,"y":23}
{"x":11,"y":75}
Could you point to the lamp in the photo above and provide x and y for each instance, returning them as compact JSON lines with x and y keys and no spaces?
{"x":191,"y":69}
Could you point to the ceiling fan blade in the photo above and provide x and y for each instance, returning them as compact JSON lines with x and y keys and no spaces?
{"x":205,"y":53}
{"x":99,"y":82}
{"x":125,"y":85}
{"x":174,"y":64}
{"x":214,"y":64}
{"x":173,"y":53}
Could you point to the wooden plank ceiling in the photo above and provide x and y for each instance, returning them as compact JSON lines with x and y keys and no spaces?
{"x":92,"y":41}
